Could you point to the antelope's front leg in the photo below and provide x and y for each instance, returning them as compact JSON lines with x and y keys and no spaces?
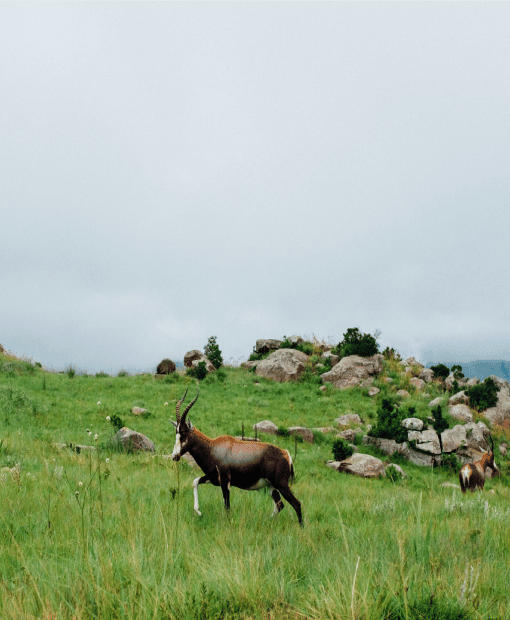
{"x":196,"y":482}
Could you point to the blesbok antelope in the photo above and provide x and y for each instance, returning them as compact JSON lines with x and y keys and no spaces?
{"x":472,"y":475}
{"x":227,"y":461}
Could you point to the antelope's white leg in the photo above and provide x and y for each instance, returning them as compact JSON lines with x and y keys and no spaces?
{"x":195,"y":495}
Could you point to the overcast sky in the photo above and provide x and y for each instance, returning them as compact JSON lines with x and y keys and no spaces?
{"x":173,"y":171}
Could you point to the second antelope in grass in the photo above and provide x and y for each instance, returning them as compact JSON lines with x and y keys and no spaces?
{"x":227,"y":461}
{"x":472,"y":475}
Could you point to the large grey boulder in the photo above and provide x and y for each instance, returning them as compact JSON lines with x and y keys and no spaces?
{"x":283,"y":365}
{"x":264,"y":346}
{"x":209,"y":366}
{"x":411,"y":361}
{"x":436,"y":402}
{"x":459,"y":398}
{"x":362,"y":465}
{"x":501,"y":412}
{"x":461,"y":412}
{"x":133,"y":441}
{"x":427,"y":375}
{"x":412,"y":424}
{"x":354,"y":370}
{"x":191,"y":356}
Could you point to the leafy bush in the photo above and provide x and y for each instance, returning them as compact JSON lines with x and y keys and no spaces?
{"x":213,"y":353}
{"x":304,"y":347}
{"x":483,"y":395}
{"x":450,"y":463}
{"x":389,"y":422}
{"x":199,"y":371}
{"x":356,"y":343}
{"x":440,"y":371}
{"x":341,"y":449}
{"x":457,"y":371}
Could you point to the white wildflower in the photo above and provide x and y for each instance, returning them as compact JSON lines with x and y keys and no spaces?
{"x":98,"y":402}
{"x":108,"y":418}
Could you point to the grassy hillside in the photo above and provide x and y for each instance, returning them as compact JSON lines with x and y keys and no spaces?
{"x":110,"y":535}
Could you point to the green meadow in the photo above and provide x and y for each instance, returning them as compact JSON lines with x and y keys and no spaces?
{"x":104,"y":534}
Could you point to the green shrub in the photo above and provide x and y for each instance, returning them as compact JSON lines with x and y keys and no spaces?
{"x":213,"y":353}
{"x":391,"y":354}
{"x":304,"y":347}
{"x":457,"y":371}
{"x":440,"y":424}
{"x":116,"y":421}
{"x":198,"y":372}
{"x":450,"y":463}
{"x":356,"y":343}
{"x":341,"y":449}
{"x":71,"y":372}
{"x":483,"y":395}
{"x":389,"y":422}
{"x":440,"y":371}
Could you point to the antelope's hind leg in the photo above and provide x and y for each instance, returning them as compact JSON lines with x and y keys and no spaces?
{"x":278,"y":504}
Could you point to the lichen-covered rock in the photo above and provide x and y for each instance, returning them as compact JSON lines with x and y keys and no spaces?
{"x":412,"y":424}
{"x":349,"y":419}
{"x":354,"y":370}
{"x":191,"y":356}
{"x":266,"y":426}
{"x":303,"y":432}
{"x":283,"y":365}
{"x":460,"y":398}
{"x":363,"y":465}
{"x":264,"y":346}
{"x":133,"y":441}
{"x":461,"y":412}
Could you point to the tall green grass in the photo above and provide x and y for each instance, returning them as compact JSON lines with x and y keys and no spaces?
{"x":129,"y":545}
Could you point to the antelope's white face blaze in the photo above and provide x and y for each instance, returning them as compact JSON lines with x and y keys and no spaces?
{"x":176,"y":454}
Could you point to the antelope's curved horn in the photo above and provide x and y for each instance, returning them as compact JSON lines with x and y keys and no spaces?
{"x":491,"y":444}
{"x":183,"y":418}
{"x":174,"y":423}
{"x":179,"y":406}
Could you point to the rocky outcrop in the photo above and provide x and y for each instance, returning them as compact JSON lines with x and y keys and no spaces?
{"x":165,"y":367}
{"x":501,"y":412}
{"x":264,"y":346}
{"x":283,"y":365}
{"x":412,"y":424}
{"x":427,"y":375}
{"x":354,"y":371}
{"x":133,"y":441}
{"x":191,"y":356}
{"x":459,"y":398}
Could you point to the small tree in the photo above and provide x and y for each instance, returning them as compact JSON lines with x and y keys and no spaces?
{"x":440,"y":371}
{"x":356,"y":343}
{"x":440,"y":424}
{"x":213,"y":353}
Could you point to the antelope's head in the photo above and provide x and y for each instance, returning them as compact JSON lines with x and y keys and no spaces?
{"x":183,"y":429}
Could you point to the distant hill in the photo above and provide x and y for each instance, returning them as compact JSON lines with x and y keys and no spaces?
{"x":482,"y":369}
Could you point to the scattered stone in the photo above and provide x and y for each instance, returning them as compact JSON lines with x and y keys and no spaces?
{"x":248,"y":365}
{"x":373,"y":391}
{"x":349,"y":419}
{"x":396,"y":468}
{"x":303,"y":432}
{"x":266,"y":426}
{"x":436,"y":402}
{"x":419,"y":384}
{"x":503,"y":449}
{"x":132,"y":440}
{"x":426,"y":441}
{"x":348,"y":434}
{"x":138,"y":410}
{"x":388,"y":380}
{"x":323,"y":388}
{"x":410,"y":361}
{"x":412,"y":424}
{"x":334,"y":358}
{"x":450,"y":485}
{"x":403,"y":393}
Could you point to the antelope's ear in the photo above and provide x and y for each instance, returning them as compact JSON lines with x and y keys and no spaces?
{"x":174,"y":423}
{"x":190,"y":425}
